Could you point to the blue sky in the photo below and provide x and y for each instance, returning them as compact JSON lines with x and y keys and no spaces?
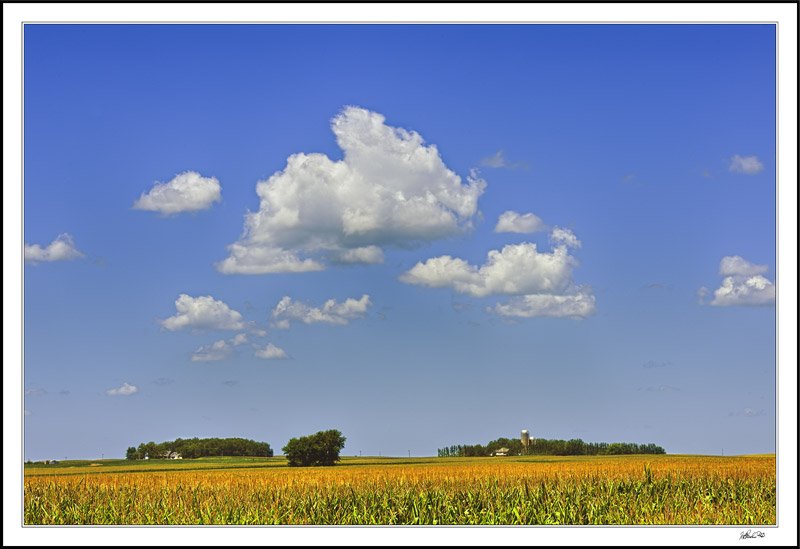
{"x":639,"y":160}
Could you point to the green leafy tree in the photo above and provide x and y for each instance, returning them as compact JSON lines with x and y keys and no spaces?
{"x":321,"y":448}
{"x":131,"y":453}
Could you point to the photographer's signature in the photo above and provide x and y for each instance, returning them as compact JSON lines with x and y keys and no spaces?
{"x":750,"y":534}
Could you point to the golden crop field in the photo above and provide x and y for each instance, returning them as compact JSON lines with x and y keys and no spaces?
{"x":665,"y":489}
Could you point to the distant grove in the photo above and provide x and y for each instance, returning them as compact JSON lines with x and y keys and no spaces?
{"x":201,"y":447}
{"x":542,"y":446}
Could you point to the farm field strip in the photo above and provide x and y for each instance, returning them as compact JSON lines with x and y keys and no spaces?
{"x":535,"y":490}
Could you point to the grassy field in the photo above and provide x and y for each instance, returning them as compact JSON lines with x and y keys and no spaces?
{"x":661,"y":489}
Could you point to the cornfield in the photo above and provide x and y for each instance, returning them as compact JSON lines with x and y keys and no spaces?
{"x":626,"y":490}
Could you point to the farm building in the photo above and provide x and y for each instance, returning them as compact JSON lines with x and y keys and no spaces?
{"x":171,"y":455}
{"x":501,"y":452}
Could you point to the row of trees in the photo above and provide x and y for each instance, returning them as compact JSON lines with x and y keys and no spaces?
{"x":201,"y":447}
{"x":542,"y":446}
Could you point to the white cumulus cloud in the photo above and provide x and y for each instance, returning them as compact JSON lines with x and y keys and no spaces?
{"x":203,"y":313}
{"x":126,"y":389}
{"x":577,"y":304}
{"x":331,"y":311}
{"x":186,"y":192}
{"x":513,"y":222}
{"x":745,"y":290}
{"x":540,"y":282}
{"x":744,"y":284}
{"x":733,"y":265}
{"x":749,"y":165}
{"x":390,"y":189}
{"x":270,"y":352}
{"x":60,"y":249}
{"x":565,"y":237}
{"x":517,"y":269}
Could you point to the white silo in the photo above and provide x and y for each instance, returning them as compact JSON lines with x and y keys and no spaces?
{"x":525,"y":438}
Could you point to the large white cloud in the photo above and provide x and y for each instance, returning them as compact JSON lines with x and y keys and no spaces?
{"x":517,"y":269}
{"x":331,"y":311}
{"x":186,"y":192}
{"x":60,"y":249}
{"x":749,"y":165}
{"x":125,"y":390}
{"x":743,"y":284}
{"x":203,"y":313}
{"x":390,"y":189}
{"x":513,"y":222}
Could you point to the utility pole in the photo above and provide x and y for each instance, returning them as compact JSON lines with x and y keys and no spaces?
{"x":409,"y":453}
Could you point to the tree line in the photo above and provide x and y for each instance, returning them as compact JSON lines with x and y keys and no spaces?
{"x":200,"y":447}
{"x":543,"y":446}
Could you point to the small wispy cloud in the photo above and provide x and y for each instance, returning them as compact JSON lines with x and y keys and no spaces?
{"x":27,"y":412}
{"x":667,"y":389}
{"x":749,"y":165}
{"x":218,"y":350}
{"x":632,"y":180}
{"x":163,"y":381}
{"x":653,"y":364}
{"x":35,"y":392}
{"x":497,"y":160}
{"x":748,"y":412}
{"x":657,"y":286}
{"x":125,"y":390}
{"x":230,"y":382}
